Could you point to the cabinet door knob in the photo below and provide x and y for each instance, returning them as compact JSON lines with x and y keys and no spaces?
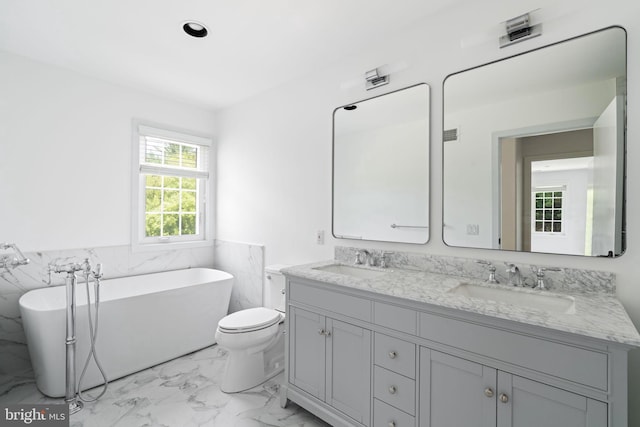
{"x":392,"y":424}
{"x":321,"y":331}
{"x":504,"y":398}
{"x":393,"y":389}
{"x":393,"y":355}
{"x":488,"y":392}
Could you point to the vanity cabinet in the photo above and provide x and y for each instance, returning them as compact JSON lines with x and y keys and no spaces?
{"x":458,"y":392}
{"x":359,"y":358}
{"x":330,"y":360}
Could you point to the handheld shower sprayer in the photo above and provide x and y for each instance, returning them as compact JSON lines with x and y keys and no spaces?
{"x":73,"y":394}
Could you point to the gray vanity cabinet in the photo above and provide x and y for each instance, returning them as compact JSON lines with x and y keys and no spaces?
{"x":458,"y":392}
{"x":358,"y":358}
{"x":330,"y":360}
{"x":455,"y":392}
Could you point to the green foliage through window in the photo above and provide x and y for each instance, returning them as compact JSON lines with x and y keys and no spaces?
{"x":548,"y":211}
{"x":170,"y":206}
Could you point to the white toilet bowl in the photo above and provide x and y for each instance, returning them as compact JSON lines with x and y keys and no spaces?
{"x":254,"y":339}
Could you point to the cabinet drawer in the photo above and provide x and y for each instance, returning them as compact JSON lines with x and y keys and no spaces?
{"x":394,"y":389}
{"x":395,"y":354}
{"x":386,"y":415}
{"x":394,"y":317}
{"x":347,"y":305}
{"x":549,"y":357}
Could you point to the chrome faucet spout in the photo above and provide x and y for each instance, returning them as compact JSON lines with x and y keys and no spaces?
{"x":515,"y":277}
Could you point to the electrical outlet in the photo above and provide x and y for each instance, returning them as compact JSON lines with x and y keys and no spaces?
{"x":473,"y":229}
{"x":320,"y":237}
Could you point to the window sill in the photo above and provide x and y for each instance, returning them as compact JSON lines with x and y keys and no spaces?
{"x":170,"y":246}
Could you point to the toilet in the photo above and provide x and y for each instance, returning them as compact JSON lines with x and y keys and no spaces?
{"x":254,"y":338}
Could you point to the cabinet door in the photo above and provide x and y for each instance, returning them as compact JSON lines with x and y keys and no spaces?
{"x":307,"y":351}
{"x":349,"y":370}
{"x":526,"y":403}
{"x":455,"y":392}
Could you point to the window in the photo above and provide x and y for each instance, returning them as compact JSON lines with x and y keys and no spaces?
{"x":548,"y":207}
{"x":170,"y":186}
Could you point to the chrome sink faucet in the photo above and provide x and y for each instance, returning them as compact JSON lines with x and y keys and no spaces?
{"x":371,"y":261}
{"x":515,"y":277}
{"x":492,"y":271}
{"x":540,"y":284}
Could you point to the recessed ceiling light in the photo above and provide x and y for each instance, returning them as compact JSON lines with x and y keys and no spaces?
{"x":195,"y":29}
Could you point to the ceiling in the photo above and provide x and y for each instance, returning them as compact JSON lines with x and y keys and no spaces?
{"x":253,"y":45}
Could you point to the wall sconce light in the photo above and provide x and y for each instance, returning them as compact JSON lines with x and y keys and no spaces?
{"x":374,"y":79}
{"x":519,"y":29}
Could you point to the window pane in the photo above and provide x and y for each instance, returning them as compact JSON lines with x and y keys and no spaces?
{"x":153,"y":181}
{"x":547,"y":214}
{"x":548,"y":203}
{"x":170,"y":225}
{"x":539,"y":195}
{"x":189,"y":183}
{"x":538,"y":225}
{"x":557,"y":194}
{"x":153,"y":152}
{"x":188,"y":201}
{"x":557,"y":227}
{"x":172,"y":155}
{"x":152,"y":225}
{"x":547,"y":226}
{"x":539,"y":214}
{"x":548,"y":194}
{"x":539,"y":203}
{"x":189,"y":157}
{"x":557,"y":203}
{"x":188,"y":224}
{"x":557,"y":215}
{"x":152,"y":200}
{"x":172,"y":182}
{"x":171,"y":201}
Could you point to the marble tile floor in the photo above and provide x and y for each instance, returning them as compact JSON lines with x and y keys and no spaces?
{"x":183,"y":392}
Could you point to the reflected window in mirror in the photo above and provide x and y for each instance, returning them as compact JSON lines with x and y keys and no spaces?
{"x":533,"y":150}
{"x":381,"y":167}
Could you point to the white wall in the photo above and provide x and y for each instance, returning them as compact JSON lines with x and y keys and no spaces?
{"x":274,"y":173}
{"x":574,"y":210}
{"x":65,"y":150}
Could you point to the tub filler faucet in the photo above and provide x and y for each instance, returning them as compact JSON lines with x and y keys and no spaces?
{"x":73,"y":395}
{"x":7,"y":261}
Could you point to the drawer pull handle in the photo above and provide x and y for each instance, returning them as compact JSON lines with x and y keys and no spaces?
{"x":392,"y":424}
{"x":321,"y":332}
{"x":393,"y":389}
{"x":488,"y":392}
{"x":504,"y":398}
{"x":393,"y":355}
{"x":324,"y":332}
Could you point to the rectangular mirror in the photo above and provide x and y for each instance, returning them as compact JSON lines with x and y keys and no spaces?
{"x":381,"y":168}
{"x":534,"y":150}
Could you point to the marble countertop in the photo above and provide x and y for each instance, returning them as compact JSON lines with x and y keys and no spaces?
{"x":597,"y":315}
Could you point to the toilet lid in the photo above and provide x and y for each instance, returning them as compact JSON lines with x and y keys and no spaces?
{"x":250,"y":319}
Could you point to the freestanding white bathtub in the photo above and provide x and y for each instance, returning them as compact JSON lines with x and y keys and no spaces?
{"x":144,"y":320}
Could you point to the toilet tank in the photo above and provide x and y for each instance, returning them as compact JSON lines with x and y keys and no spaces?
{"x":274,"y":285}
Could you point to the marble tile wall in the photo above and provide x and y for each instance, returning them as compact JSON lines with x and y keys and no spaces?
{"x":567,"y":279}
{"x":246,"y":262}
{"x":117,"y":261}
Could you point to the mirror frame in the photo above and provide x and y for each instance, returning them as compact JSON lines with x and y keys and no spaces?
{"x":623,"y":172}
{"x":333,"y":161}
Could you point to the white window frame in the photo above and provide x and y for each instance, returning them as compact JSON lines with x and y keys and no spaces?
{"x":549,"y":189}
{"x":139,"y":241}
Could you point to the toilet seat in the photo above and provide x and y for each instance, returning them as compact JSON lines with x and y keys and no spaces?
{"x":252,"y":319}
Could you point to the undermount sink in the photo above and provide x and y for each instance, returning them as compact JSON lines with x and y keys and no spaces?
{"x":359,"y":272}
{"x":546,"y":302}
